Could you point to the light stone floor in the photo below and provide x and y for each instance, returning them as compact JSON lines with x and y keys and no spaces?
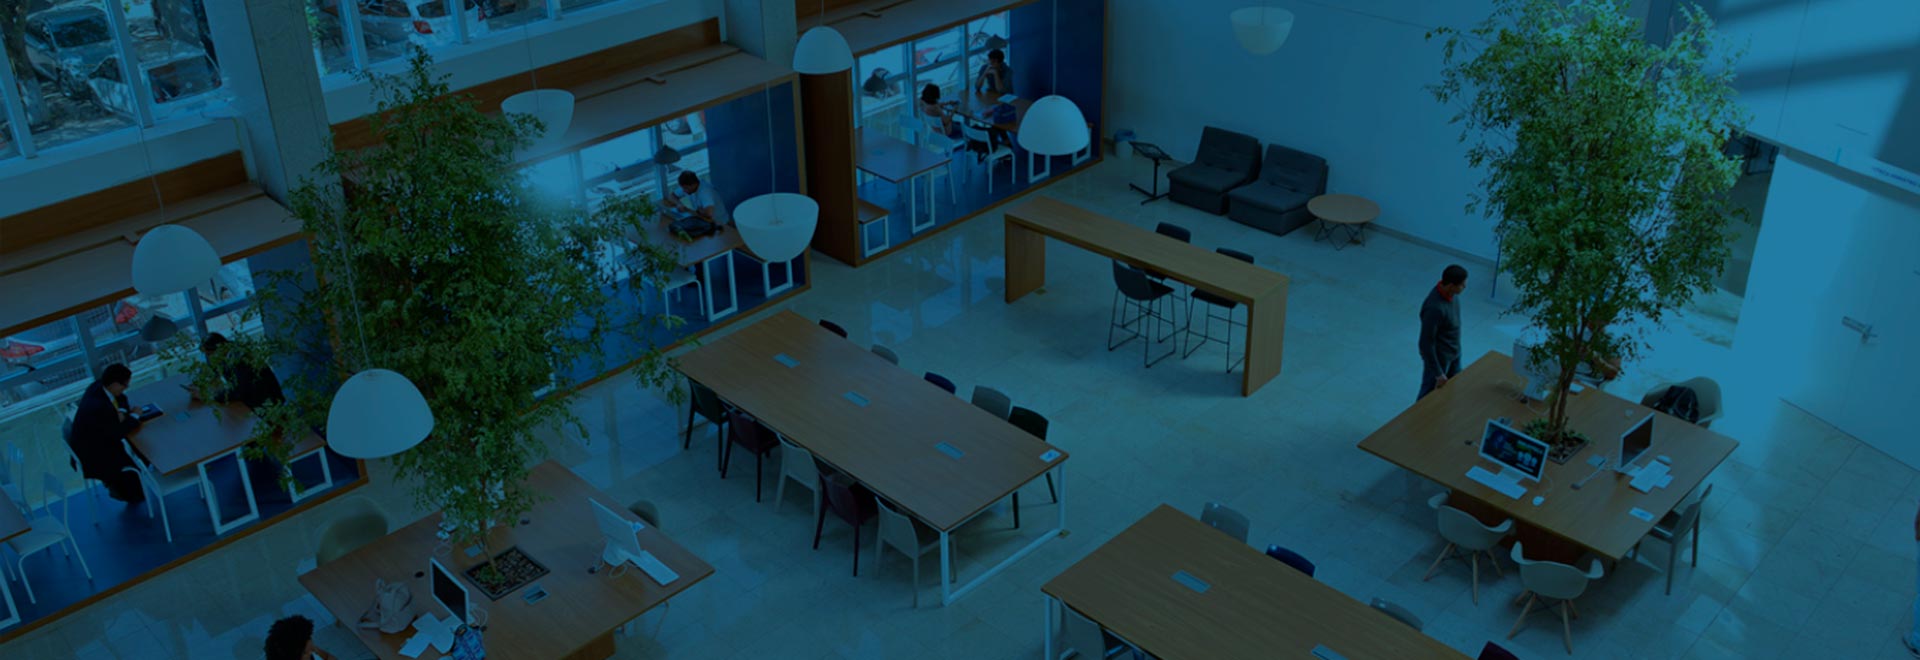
{"x":1805,"y":551}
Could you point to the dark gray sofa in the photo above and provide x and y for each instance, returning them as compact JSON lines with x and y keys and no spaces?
{"x":1226,"y":160}
{"x":1277,"y":202}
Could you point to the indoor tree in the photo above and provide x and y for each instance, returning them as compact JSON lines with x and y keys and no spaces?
{"x":435,"y":257}
{"x":1604,"y":170}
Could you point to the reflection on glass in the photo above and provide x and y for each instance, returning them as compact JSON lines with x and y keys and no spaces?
{"x":330,"y":52}
{"x":388,"y":26}
{"x":506,"y":14}
{"x":985,"y":35}
{"x":946,"y":76}
{"x":570,"y":5}
{"x":621,"y":166}
{"x":64,"y":47}
{"x":6,"y":140}
{"x":883,"y":75}
{"x":937,"y":49}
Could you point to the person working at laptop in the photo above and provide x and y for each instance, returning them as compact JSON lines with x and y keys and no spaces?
{"x":246,"y":383}
{"x":100,"y":423}
{"x":292,"y":639}
{"x":692,"y":199}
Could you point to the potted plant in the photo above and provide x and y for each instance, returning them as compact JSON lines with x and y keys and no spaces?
{"x":1604,"y":169}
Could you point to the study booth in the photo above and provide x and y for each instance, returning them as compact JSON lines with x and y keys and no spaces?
{"x":71,"y":311}
{"x":887,"y":173}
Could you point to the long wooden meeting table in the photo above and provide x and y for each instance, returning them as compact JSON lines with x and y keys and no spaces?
{"x":1438,"y":438}
{"x":1262,"y":291}
{"x":1178,"y":589}
{"x":575,"y":621}
{"x":940,"y":458}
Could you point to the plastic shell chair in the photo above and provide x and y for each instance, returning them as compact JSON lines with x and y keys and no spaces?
{"x":359,"y":522}
{"x":1705,"y":391}
{"x":1397,"y":612}
{"x":849,"y":501}
{"x":1291,"y":558}
{"x":1553,"y":581}
{"x":993,"y":401}
{"x":1673,"y":529}
{"x":1137,"y":292}
{"x":1036,"y":425}
{"x":886,"y":354}
{"x":995,"y":153}
{"x":797,"y":465}
{"x":46,"y":532}
{"x":1465,"y":533}
{"x":160,"y":484}
{"x":910,"y":538}
{"x":745,"y":432}
{"x":833,"y":327}
{"x":1228,"y":521}
{"x":942,"y":382}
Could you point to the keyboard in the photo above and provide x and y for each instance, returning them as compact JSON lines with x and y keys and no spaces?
{"x":1512,"y":490}
{"x":655,"y":568}
{"x":1654,"y":475}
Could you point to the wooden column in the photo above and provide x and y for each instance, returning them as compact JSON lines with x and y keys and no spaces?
{"x":827,"y":106}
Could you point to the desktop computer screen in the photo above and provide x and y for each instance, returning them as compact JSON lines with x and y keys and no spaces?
{"x":1504,"y":445}
{"x":1635,"y":442}
{"x":448,"y":590}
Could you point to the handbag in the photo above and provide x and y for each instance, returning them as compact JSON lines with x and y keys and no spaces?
{"x":392,"y":609}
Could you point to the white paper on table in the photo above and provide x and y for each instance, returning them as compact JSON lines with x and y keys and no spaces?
{"x":414,"y":646}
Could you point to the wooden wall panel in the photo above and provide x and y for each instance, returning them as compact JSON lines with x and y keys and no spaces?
{"x":826,"y":102}
{"x":808,"y":11}
{"x":176,"y":186}
{"x":357,"y":132}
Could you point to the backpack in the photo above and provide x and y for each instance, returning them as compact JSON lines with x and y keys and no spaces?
{"x":1680,"y":402}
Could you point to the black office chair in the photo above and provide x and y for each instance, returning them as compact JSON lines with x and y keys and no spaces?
{"x":1132,"y":290}
{"x":1215,"y":301}
{"x":707,"y":404}
{"x":833,"y":327}
{"x":943,"y":382}
{"x":1175,"y":232}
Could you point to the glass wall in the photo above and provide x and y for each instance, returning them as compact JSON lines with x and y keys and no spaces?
{"x":885,"y":78}
{"x":387,"y":28}
{"x":936,"y":61}
{"x":984,"y":36}
{"x":892,"y":77}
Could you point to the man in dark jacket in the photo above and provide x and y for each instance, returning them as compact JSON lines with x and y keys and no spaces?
{"x":254,"y":386}
{"x":99,"y":425}
{"x":1440,"y":330}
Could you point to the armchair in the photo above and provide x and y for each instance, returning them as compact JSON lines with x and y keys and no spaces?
{"x":1226,"y":160}
{"x":1277,"y":202}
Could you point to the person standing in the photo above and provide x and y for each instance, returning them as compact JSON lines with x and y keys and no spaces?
{"x":1440,"y":330}
{"x":100,"y":424}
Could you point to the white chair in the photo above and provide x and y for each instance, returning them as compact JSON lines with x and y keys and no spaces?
{"x":1705,"y":391}
{"x":1396,"y":612}
{"x":796,"y":465}
{"x":161,"y":485}
{"x":1464,"y":532}
{"x":995,"y":154}
{"x":886,"y":354}
{"x":13,"y":473}
{"x":680,"y":279}
{"x":47,"y":532}
{"x":1082,"y":639}
{"x":1673,"y":528}
{"x":910,"y":538}
{"x":1228,"y":521}
{"x":939,"y":142}
{"x":86,"y":483}
{"x":1552,"y":581}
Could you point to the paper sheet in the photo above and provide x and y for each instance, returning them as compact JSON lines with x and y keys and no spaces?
{"x":414,"y":646}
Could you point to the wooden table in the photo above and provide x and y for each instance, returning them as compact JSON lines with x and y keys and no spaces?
{"x":12,"y":524}
{"x":891,"y":443}
{"x":1263,"y":291}
{"x":1349,"y":212}
{"x":1254,"y":607}
{"x":899,"y":163}
{"x":581,"y":611}
{"x":979,"y":106}
{"x":706,"y":253}
{"x":1438,"y":439}
{"x":193,"y":435}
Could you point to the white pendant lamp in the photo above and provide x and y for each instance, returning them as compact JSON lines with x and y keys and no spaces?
{"x":1261,"y":30}
{"x":777,"y":226}
{"x":1053,"y":125}
{"x":171,"y":258}
{"x":822,"y":50}
{"x":553,"y":107}
{"x":377,"y":413}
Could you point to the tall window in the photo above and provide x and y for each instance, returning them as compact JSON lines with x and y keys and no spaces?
{"x":351,"y":35}
{"x":936,"y":61}
{"x":85,"y":68}
{"x":884,"y":81}
{"x":984,"y":36}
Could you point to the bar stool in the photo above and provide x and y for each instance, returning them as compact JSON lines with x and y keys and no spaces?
{"x":1216,"y":302}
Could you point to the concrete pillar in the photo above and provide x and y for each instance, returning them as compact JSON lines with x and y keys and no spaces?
{"x":266,"y":56}
{"x":763,"y":27}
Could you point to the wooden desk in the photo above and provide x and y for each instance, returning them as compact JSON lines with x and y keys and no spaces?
{"x":1263,"y":291}
{"x":196,"y":434}
{"x":575,"y":621}
{"x":979,"y":106}
{"x":1255,"y":607}
{"x":897,"y":162}
{"x":891,"y":443}
{"x":1438,"y":439}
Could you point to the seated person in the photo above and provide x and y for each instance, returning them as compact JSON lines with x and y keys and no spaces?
{"x":254,"y":386}
{"x":692,"y":199}
{"x":877,"y":86}
{"x":292,"y":639}
{"x":100,"y":423}
{"x":995,"y":78}
{"x":937,"y":113}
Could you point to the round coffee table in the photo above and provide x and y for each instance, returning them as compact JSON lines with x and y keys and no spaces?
{"x":1348,"y":212}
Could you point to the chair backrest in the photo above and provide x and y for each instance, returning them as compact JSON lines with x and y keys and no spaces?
{"x":886,"y":354}
{"x":140,"y":467}
{"x":1173,"y":231}
{"x":846,"y":498}
{"x":647,"y":511}
{"x":1294,"y":170}
{"x":942,"y":381}
{"x":896,"y":529}
{"x":1291,"y":558}
{"x":1398,"y":613}
{"x":1707,"y":393}
{"x":748,"y":433}
{"x":1082,"y":635}
{"x":706,"y":402}
{"x":1235,"y":254}
{"x":993,"y":401}
{"x":833,"y":327}
{"x":1553,"y":579}
{"x":1132,"y":282}
{"x":1032,"y":422}
{"x":1227,"y":150}
{"x":1228,"y":521}
{"x":358,"y":524}
{"x":1493,"y":651}
{"x":1462,"y":529}
{"x":797,"y":462}
{"x":52,"y":488}
{"x":974,"y":133}
{"x":1690,"y":513}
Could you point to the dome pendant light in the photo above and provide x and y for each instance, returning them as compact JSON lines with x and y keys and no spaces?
{"x":822,"y":50}
{"x":553,"y":107}
{"x":1261,"y":30}
{"x":1053,"y":125}
{"x":777,"y":226}
{"x":377,"y":413}
{"x":172,"y":258}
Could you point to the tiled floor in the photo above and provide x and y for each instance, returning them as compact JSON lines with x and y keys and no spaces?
{"x":1805,"y":552}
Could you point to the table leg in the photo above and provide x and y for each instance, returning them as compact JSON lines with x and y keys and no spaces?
{"x":946,"y":568}
{"x":1053,"y":614}
{"x":13,"y":612}
{"x":949,"y":594}
{"x":301,"y":492}
{"x":213,"y":497}
{"x":714,"y":312}
{"x":1026,"y":255}
{"x":1266,"y":328}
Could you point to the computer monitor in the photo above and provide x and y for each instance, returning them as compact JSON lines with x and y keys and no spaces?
{"x":1518,"y":451}
{"x":1635,"y":442}
{"x":1536,"y":368}
{"x":623,"y":541}
{"x":449,"y":592}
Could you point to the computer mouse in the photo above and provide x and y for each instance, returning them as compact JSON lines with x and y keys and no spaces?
{"x":1665,"y":459}
{"x":1537,"y":499}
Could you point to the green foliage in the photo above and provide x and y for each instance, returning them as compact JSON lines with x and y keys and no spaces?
{"x":434,"y":257}
{"x":1604,"y":168}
